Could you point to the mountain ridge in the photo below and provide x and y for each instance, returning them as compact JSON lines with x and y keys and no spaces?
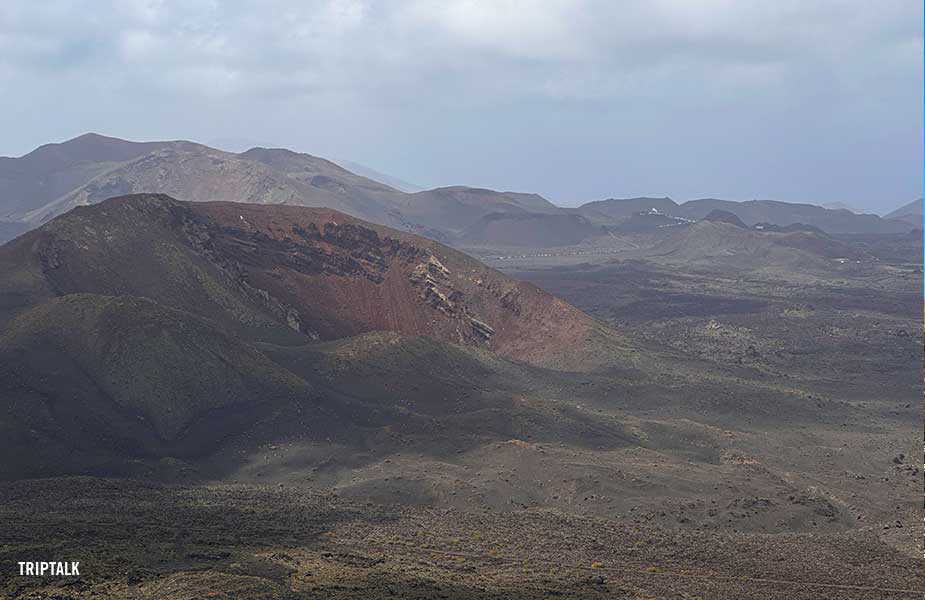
{"x":90,"y":168}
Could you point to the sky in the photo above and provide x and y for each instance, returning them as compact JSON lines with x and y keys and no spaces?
{"x":803,"y":101}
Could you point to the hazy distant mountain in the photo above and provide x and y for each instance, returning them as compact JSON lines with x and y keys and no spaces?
{"x":55,"y":178}
{"x":455,"y":209}
{"x":621,"y":208}
{"x":528,"y":229}
{"x":785,"y":213}
{"x":365,"y":171}
{"x":88,"y":169}
{"x":749,"y":212}
{"x":188,"y":170}
{"x":911,"y":213}
{"x":54,"y":170}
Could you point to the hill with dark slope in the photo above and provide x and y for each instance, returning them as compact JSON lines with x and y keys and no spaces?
{"x":469,"y":389}
{"x":125,"y":386}
{"x":535,"y":230}
{"x":279,"y":273}
{"x":143,"y":327}
{"x":88,"y":382}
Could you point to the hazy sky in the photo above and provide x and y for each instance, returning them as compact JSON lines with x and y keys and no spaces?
{"x":797,"y":100}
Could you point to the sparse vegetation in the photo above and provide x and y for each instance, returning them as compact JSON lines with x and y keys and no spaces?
{"x":719,"y":408}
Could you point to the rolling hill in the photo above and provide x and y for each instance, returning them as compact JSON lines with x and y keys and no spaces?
{"x":718,"y":241}
{"x":724,"y":216}
{"x":88,"y":381}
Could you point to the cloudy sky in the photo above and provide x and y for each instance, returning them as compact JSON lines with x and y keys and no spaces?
{"x":797,"y":100}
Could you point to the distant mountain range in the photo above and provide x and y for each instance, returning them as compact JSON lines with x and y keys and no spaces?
{"x":54,"y":178}
{"x":57,"y":177}
{"x":750,"y":212}
{"x":911,"y":213}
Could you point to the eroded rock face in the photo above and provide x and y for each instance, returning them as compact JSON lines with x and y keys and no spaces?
{"x":342,"y":250}
{"x":429,"y":276}
{"x":274,"y":264}
{"x":482,"y":329}
{"x":433,"y":279}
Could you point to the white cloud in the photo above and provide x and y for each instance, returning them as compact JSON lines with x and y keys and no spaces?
{"x":391,"y":67}
{"x":517,"y":29}
{"x":556,"y":47}
{"x":140,"y":45}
